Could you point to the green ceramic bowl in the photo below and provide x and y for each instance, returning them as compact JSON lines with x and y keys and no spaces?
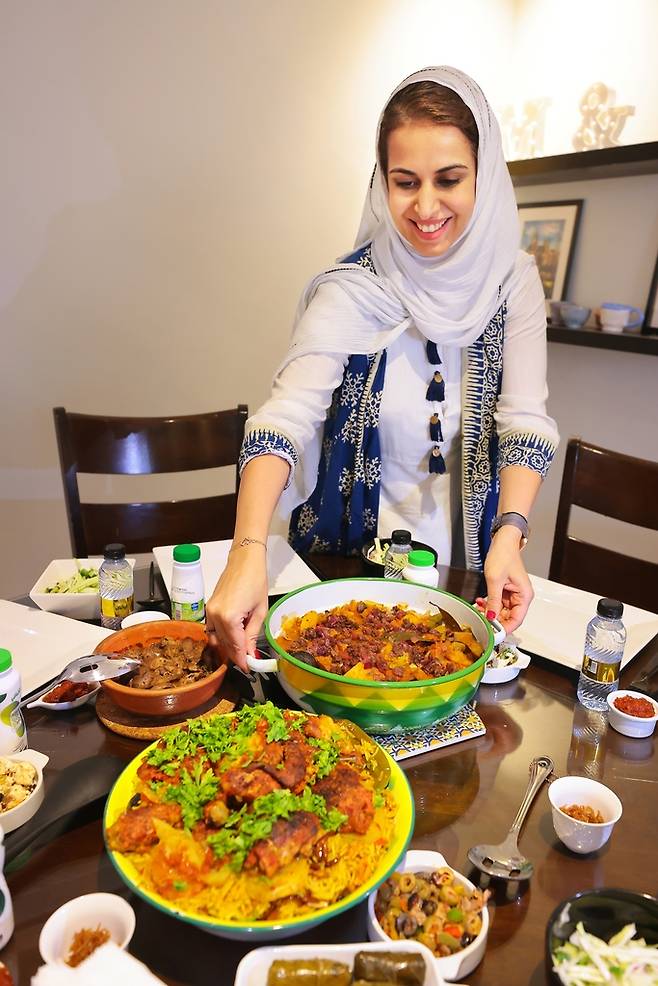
{"x":378,"y":707}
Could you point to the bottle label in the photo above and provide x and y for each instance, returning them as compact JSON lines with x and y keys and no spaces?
{"x":194,"y":612}
{"x":601,"y":671}
{"x":117,"y":608}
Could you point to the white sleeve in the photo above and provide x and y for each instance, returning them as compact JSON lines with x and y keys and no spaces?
{"x":290,"y":422}
{"x":528,"y":436}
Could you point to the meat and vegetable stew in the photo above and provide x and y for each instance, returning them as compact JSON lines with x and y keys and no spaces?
{"x":366,"y":640}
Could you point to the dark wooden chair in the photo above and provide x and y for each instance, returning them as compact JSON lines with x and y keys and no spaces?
{"x":90,"y":443}
{"x":617,"y":486}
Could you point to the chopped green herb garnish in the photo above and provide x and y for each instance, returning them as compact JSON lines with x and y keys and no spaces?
{"x":180,"y":885}
{"x":192,"y":792}
{"x":243,"y":829}
{"x":326,"y":756}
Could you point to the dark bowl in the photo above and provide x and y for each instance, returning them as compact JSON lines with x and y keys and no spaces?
{"x":603,"y":913}
{"x":415,"y":546}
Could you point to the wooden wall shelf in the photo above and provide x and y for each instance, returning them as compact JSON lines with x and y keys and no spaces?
{"x":611,"y":162}
{"x":625,"y":342}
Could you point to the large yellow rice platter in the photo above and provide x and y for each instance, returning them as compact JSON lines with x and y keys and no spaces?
{"x":258,"y":824}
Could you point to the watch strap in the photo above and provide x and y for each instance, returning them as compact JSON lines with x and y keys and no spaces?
{"x":512,"y":519}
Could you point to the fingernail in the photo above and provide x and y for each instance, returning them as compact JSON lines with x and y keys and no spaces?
{"x":491,"y":614}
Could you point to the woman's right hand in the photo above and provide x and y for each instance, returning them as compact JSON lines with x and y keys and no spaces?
{"x":237,"y":608}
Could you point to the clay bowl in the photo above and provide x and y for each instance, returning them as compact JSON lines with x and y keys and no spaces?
{"x":159,"y":701}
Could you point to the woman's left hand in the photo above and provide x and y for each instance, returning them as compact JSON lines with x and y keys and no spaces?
{"x":509,"y":592}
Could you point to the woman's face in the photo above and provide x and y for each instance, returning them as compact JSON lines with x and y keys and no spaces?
{"x":431,"y":185}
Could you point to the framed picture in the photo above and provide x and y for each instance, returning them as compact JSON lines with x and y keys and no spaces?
{"x":548,"y":232}
{"x":651,"y":317}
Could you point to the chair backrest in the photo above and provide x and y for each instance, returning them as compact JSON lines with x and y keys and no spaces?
{"x":614,"y":485}
{"x":90,"y":443}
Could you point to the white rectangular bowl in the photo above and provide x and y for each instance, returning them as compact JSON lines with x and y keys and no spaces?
{"x":76,"y":605}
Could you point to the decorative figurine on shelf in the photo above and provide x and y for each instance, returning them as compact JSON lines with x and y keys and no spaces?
{"x":602,"y":122}
{"x":524,"y":139}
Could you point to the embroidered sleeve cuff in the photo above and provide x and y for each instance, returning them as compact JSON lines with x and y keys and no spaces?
{"x":263,"y":441}
{"x":526,"y":449}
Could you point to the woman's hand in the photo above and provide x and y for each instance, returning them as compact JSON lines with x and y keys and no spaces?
{"x":509,"y":592}
{"x":237,"y":608}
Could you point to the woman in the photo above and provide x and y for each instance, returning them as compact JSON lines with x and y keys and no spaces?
{"x":413,"y":393}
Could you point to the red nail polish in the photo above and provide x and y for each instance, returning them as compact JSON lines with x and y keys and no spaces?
{"x":491,"y":615}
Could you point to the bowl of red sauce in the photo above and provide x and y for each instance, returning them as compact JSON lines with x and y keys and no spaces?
{"x":632,"y":713}
{"x":66,"y":695}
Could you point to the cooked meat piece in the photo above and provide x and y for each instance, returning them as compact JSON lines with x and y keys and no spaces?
{"x":290,"y":770}
{"x":343,"y":789}
{"x":216,"y":812}
{"x":288,"y":838}
{"x":147,"y":773}
{"x":247,"y":785}
{"x":134,"y":830}
{"x":272,"y":755}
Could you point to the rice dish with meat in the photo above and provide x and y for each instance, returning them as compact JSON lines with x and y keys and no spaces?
{"x":265,"y":814}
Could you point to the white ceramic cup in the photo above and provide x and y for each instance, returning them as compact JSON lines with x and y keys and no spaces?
{"x":583,"y":837}
{"x":143,"y":616}
{"x":616,"y":317}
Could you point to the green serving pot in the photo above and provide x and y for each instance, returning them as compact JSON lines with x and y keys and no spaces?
{"x":378,"y":707}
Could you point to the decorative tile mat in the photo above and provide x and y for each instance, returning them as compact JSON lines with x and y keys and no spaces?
{"x":464,"y":725}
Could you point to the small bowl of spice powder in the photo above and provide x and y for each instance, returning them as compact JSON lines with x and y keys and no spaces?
{"x":79,"y":927}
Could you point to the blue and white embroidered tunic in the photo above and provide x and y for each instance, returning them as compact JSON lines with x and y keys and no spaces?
{"x":364,"y":435}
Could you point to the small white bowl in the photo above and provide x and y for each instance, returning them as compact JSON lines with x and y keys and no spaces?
{"x":254,"y":967}
{"x":76,"y":605}
{"x":497,"y":676}
{"x":89,"y":911}
{"x":631,"y":725}
{"x":143,"y":616}
{"x":583,"y":837}
{"x":450,"y":967}
{"x":39,"y":703}
{"x":23,"y":812}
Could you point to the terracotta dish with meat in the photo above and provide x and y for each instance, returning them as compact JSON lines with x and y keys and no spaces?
{"x":260,"y":815}
{"x":169,"y":662}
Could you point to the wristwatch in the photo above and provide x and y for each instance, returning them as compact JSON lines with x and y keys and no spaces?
{"x":513,"y":519}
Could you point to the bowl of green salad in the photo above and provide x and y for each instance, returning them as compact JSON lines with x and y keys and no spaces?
{"x":69,"y":587}
{"x":603,"y":935}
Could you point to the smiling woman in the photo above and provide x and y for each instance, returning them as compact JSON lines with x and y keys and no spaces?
{"x":413,"y":394}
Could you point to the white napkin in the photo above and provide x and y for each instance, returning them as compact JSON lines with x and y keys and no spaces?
{"x":107,"y":966}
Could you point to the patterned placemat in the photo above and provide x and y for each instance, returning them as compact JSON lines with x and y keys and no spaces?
{"x":464,"y":725}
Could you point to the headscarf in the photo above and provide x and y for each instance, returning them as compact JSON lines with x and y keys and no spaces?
{"x":450,"y":298}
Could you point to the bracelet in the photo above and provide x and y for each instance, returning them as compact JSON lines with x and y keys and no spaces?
{"x":245,"y":541}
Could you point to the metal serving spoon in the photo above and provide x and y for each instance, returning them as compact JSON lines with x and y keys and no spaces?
{"x":505,"y":860}
{"x":90,"y":668}
{"x":377,"y":763}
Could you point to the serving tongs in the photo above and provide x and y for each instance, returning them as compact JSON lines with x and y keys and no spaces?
{"x":505,"y":859}
{"x":90,"y":669}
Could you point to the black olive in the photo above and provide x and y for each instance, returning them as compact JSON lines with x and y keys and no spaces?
{"x":429,"y":906}
{"x":466,"y":939}
{"x":385,"y":892}
{"x":413,"y":901}
{"x":436,"y":879}
{"x":134,"y":801}
{"x":406,"y":924}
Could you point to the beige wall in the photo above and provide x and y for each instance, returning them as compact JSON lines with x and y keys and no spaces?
{"x":173,"y":173}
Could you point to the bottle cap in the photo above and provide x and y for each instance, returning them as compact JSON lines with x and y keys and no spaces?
{"x":5,"y":659}
{"x":611,"y":608}
{"x":401,"y":537}
{"x":424,"y":559}
{"x":187,"y":552}
{"x":115,"y":551}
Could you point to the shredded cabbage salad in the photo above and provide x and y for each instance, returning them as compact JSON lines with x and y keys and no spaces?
{"x":84,"y":580}
{"x":502,"y":658}
{"x":623,"y":961}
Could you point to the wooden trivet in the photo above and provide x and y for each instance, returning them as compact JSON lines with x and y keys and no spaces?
{"x":151,"y":727}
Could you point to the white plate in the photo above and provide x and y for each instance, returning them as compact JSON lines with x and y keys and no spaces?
{"x":77,"y":605}
{"x":254,"y":967}
{"x":285,"y":569}
{"x":42,"y":644}
{"x":557,"y":619}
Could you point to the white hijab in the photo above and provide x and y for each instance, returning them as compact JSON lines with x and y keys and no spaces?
{"x":450,"y":298}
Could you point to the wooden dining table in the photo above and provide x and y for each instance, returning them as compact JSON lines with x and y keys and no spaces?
{"x":464,"y":794}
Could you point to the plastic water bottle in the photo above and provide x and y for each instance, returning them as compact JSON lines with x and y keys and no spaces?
{"x":604,"y":646}
{"x":420,"y":568}
{"x":187,"y":592}
{"x":398,"y":552}
{"x":115,"y":585}
{"x":13,"y":735}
